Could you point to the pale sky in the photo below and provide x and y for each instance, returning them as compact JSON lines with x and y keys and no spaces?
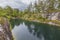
{"x":27,"y":1}
{"x":15,"y":3}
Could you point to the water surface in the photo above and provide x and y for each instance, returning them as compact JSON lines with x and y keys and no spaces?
{"x":25,"y":30}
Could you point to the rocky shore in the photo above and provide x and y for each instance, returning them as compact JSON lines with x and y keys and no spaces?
{"x":5,"y":32}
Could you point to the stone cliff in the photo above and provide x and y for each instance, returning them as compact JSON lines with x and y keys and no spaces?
{"x":5,"y":32}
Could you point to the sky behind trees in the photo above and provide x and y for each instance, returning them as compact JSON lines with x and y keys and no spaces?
{"x":20,"y":4}
{"x":15,"y":2}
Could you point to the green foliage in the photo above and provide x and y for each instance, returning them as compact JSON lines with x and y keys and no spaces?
{"x":33,"y":12}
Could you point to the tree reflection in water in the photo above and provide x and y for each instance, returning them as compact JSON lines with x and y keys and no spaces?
{"x":49,"y":32}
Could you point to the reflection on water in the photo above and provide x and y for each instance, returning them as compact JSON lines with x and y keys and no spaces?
{"x":25,"y":30}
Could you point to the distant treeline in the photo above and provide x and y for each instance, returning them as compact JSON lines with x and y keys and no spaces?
{"x":40,"y":10}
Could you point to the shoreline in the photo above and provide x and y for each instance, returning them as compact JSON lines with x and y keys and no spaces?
{"x":49,"y":22}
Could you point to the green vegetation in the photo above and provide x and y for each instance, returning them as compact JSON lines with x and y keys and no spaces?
{"x":34,"y":12}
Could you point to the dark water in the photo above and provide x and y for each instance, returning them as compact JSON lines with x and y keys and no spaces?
{"x":25,"y":30}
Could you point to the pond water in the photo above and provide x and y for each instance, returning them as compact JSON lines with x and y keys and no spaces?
{"x":25,"y":30}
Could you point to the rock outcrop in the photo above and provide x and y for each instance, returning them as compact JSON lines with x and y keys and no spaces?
{"x":52,"y":16}
{"x":5,"y":32}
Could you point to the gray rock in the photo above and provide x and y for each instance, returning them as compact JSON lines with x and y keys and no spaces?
{"x":5,"y":32}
